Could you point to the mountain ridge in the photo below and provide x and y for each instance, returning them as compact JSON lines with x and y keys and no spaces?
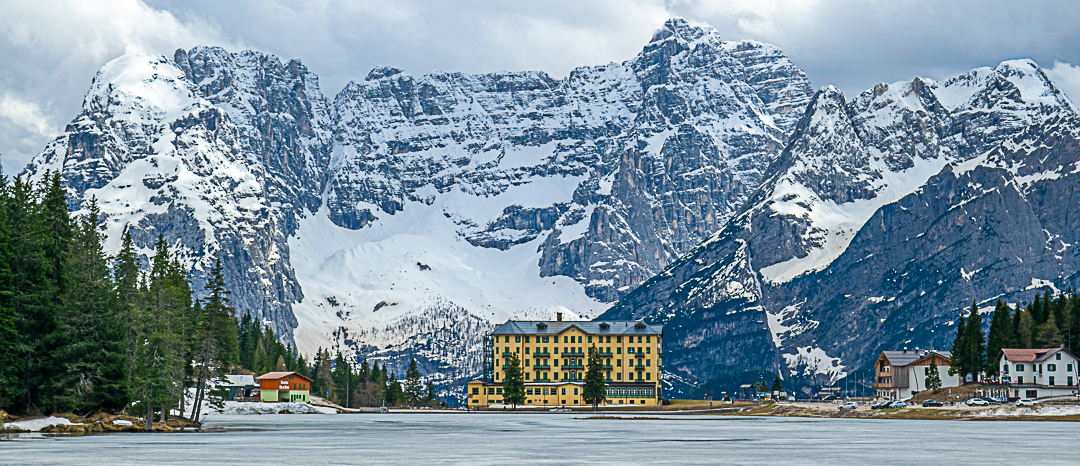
{"x":402,"y":201}
{"x":771,"y":279}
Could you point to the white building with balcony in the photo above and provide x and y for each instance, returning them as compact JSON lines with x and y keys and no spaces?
{"x":1039,"y":372}
{"x":899,"y":375}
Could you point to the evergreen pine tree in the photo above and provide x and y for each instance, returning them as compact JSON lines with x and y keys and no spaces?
{"x":394,"y":393}
{"x":1038,"y":310}
{"x":323,"y":376}
{"x":429,"y":394}
{"x":90,"y":352}
{"x":216,"y":333}
{"x":1025,"y":330}
{"x":1074,"y":321}
{"x":247,"y":333}
{"x":933,"y":377}
{"x":161,"y":347}
{"x":1065,"y":322}
{"x":959,"y":351}
{"x":1001,"y":336}
{"x":414,"y":388}
{"x":975,"y":358}
{"x":10,"y":362}
{"x":1016,"y":324}
{"x":1048,"y":335}
{"x":31,"y":292}
{"x":513,"y":382}
{"x":595,"y":390}
{"x":365,"y":371}
{"x":777,"y":384}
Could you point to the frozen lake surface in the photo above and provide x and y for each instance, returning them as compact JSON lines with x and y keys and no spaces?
{"x":568,"y":438}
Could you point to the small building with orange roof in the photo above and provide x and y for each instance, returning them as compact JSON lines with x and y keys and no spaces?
{"x":284,"y":387}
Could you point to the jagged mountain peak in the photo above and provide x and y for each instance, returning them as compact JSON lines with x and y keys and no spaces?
{"x":682,"y":30}
{"x":382,"y":72}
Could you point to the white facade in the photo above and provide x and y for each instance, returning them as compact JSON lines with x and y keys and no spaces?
{"x":1039,"y":373}
{"x":916,"y":377}
{"x":902,"y":374}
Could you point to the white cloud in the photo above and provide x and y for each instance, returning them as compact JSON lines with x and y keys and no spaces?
{"x":50,"y":50}
{"x":27,"y":115}
{"x":1067,"y":78}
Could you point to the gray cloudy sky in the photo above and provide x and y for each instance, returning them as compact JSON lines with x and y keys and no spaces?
{"x":50,"y":49}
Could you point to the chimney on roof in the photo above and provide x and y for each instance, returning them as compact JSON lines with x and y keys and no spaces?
{"x":905,"y":349}
{"x":558,"y":316}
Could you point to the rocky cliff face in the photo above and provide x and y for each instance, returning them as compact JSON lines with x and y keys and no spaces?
{"x":408,"y":213}
{"x":161,"y":159}
{"x":886,"y":215}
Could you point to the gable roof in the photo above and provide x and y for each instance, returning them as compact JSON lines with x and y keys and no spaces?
{"x":281,"y":375}
{"x":240,"y":380}
{"x":909,"y":357}
{"x":554,"y":327}
{"x":1031,"y":354}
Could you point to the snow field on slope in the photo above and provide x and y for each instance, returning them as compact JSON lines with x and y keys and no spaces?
{"x":837,"y":224}
{"x":359,"y":269}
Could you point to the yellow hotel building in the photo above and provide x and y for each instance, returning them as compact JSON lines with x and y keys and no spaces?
{"x":554,"y":357}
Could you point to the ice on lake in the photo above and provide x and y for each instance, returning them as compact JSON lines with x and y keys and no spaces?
{"x":570,"y":438}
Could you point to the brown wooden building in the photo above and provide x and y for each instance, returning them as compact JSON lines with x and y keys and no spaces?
{"x":899,"y":375}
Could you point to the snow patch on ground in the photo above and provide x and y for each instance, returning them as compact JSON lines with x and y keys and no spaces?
{"x":1039,"y":410}
{"x":251,"y":407}
{"x":35,"y":425}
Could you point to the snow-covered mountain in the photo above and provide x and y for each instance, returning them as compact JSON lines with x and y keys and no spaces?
{"x":882,"y":219}
{"x":409,"y":213}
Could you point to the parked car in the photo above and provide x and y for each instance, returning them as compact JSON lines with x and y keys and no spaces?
{"x":932,"y":404}
{"x":897,"y":405}
{"x":880,"y":405}
{"x":1026,"y":402}
{"x":977,"y":402}
{"x":849,"y":405}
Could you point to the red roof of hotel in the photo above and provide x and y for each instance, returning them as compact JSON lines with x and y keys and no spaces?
{"x":1027,"y":354}
{"x":281,"y":375}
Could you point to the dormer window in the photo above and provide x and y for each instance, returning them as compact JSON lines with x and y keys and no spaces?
{"x":640,"y":326}
{"x":605,"y":326}
{"x":541,"y":326}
